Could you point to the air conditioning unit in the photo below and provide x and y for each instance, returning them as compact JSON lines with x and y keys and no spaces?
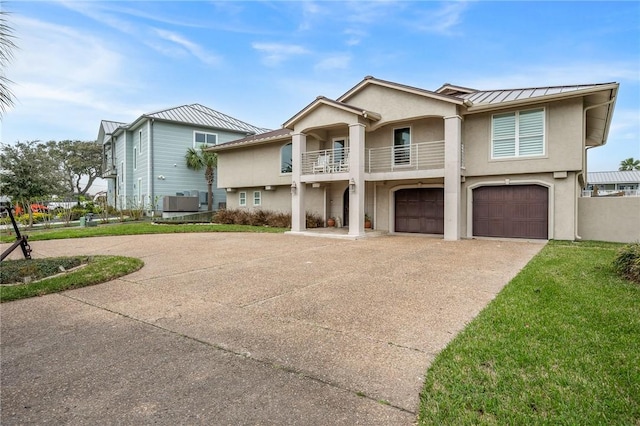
{"x":180,"y":204}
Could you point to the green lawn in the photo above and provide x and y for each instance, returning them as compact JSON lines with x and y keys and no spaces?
{"x":133,"y":228}
{"x":98,"y":269}
{"x":560,"y":345}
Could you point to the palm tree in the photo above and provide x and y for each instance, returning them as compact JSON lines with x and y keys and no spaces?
{"x":203,"y":159}
{"x":6,"y":53}
{"x":629,"y":164}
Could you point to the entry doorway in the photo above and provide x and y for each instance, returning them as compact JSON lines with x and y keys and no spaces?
{"x":345,"y":207}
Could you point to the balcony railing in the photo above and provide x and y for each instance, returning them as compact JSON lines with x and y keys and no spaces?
{"x":108,"y":170}
{"x":325,"y":161}
{"x":418,"y":156}
{"x":612,"y":193}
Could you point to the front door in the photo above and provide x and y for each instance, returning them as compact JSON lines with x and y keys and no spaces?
{"x":345,"y":207}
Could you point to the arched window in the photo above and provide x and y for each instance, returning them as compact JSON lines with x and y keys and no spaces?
{"x":286,"y":159}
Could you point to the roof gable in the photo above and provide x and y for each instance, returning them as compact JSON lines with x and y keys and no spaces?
{"x":369,"y":80}
{"x":321,"y":100}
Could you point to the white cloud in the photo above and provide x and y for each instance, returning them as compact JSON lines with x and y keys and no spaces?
{"x":444,"y":20}
{"x":334,"y":62}
{"x":276,"y":53}
{"x":186,"y":44}
{"x":354,"y":36}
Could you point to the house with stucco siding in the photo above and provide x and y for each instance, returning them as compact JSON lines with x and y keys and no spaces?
{"x":456,"y":162}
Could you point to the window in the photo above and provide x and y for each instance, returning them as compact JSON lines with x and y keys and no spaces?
{"x":286,"y":159}
{"x":201,"y":138}
{"x":402,"y":146}
{"x":140,"y":140}
{"x":257,"y":198}
{"x":518,"y":134}
{"x":135,"y":158}
{"x":242,"y":199}
{"x":340,"y":150}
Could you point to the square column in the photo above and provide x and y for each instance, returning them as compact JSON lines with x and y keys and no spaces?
{"x":452,"y":164}
{"x":298,"y":214}
{"x":356,"y":179}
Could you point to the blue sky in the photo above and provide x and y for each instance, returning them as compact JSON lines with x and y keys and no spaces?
{"x":261,"y":62}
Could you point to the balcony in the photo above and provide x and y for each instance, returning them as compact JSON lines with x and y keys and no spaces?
{"x":325,"y":161}
{"x":417,"y":156}
{"x":109,"y":170}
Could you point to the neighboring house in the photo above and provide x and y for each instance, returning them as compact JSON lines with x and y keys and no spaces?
{"x":457,"y":162}
{"x":145,"y":160}
{"x":623,"y":183}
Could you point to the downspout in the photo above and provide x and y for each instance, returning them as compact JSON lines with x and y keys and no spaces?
{"x":583,"y":172}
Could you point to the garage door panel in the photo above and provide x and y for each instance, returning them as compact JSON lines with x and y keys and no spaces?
{"x":515,"y":211}
{"x":419,"y":210}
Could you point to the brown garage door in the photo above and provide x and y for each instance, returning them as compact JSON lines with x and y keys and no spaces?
{"x":420,"y":210}
{"x":517,"y":211}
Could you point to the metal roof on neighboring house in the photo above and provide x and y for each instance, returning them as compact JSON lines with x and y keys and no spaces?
{"x":203,"y":116}
{"x":110,"y":126}
{"x":629,"y":176}
{"x":272,"y":135}
{"x":492,"y":97}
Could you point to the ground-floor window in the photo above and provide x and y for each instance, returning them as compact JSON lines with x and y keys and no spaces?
{"x":257,"y":198}
{"x":242,"y":199}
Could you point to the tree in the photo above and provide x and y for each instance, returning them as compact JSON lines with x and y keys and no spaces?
{"x":629,"y":164}
{"x":203,"y":159}
{"x":77,"y":160}
{"x":28,"y":173}
{"x":6,"y":54}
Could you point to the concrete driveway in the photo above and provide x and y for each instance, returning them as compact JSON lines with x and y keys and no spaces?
{"x":247,"y":329}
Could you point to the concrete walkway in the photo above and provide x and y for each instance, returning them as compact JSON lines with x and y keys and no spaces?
{"x":247,"y":329}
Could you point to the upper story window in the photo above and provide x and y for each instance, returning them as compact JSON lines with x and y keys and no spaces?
{"x":201,"y":138}
{"x":518,"y":134}
{"x":242,"y":199}
{"x":140,"y":140}
{"x":402,"y":146}
{"x":135,"y":158}
{"x":286,"y":159}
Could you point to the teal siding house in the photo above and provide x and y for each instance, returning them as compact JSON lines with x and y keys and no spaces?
{"x":144,"y":161}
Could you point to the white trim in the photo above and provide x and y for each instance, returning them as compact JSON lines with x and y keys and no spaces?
{"x":512,"y":182}
{"x":259,"y":203}
{"x":135,"y":158}
{"x":393,"y":144}
{"x":149,"y":177}
{"x":124,"y":166}
{"x":196,"y":145}
{"x":392,"y":201}
{"x":517,"y":156}
{"x":280,"y":162}
{"x":240,"y":196}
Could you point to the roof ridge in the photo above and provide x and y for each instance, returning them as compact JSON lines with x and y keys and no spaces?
{"x":227,"y":118}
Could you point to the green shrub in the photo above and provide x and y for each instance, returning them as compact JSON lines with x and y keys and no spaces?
{"x":627,"y":262}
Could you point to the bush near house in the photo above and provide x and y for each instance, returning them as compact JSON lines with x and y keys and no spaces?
{"x":627,"y":262}
{"x":252,"y":217}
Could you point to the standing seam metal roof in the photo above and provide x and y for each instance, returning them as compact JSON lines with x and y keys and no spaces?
{"x":506,"y":95}
{"x":628,"y":176}
{"x":203,"y":116}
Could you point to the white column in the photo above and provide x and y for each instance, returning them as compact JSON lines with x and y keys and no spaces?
{"x":356,"y":175}
{"x":452,"y":146}
{"x":298,"y":219}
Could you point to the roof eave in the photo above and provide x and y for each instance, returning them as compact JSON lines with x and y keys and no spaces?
{"x":545,"y":98}
{"x":231,"y":146}
{"x":391,"y":85}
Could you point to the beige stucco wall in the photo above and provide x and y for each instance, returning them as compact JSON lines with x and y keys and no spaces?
{"x":325,"y":116}
{"x":609,"y":219}
{"x":562,"y":200}
{"x":395,"y":105}
{"x":278,"y":200}
{"x":563,"y":144}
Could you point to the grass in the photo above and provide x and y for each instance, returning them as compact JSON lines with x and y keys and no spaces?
{"x":559,"y":345}
{"x":99,"y":269}
{"x":134,"y":228}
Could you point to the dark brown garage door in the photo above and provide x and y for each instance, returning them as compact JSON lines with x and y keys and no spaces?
{"x":519,"y":211}
{"x":420,"y":210}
